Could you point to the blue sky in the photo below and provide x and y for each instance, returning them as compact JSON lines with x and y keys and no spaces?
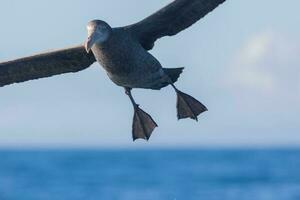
{"x":241,"y":61}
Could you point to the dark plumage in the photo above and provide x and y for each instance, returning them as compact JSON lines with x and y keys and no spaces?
{"x":171,"y":19}
{"x":123,"y":53}
{"x":44,"y":65}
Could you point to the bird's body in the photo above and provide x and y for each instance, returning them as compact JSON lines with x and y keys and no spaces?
{"x":123,"y":53}
{"x":127,"y":63}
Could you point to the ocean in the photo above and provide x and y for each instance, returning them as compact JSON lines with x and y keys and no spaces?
{"x":178,"y":174}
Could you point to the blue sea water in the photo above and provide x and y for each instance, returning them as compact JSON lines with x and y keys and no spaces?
{"x":150,"y":174}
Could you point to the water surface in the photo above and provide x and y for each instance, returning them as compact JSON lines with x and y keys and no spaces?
{"x":150,"y":174}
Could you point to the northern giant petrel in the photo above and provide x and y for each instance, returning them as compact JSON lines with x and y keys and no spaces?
{"x":123,"y":53}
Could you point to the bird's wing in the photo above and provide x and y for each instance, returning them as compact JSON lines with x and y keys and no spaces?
{"x":44,"y":65}
{"x":170,"y":20}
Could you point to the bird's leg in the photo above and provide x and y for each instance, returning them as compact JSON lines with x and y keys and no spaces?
{"x":188,"y":106}
{"x":143,"y":124}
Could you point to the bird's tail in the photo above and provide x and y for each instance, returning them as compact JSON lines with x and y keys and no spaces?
{"x":173,"y":73}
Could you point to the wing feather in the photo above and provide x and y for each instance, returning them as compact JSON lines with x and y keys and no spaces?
{"x":44,"y":65}
{"x":170,"y":20}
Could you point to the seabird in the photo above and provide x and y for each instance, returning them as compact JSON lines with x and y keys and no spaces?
{"x":123,"y":53}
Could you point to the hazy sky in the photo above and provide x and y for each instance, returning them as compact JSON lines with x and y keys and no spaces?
{"x":242,"y":61}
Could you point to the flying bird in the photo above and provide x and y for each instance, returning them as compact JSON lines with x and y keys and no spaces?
{"x":124,"y":53}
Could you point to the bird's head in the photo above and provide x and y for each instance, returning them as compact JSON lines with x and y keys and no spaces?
{"x":98,"y":32}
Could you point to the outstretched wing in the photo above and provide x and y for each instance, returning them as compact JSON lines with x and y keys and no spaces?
{"x":44,"y":65}
{"x":170,"y":20}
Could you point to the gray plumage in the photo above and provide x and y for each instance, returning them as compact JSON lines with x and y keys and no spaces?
{"x":127,"y":63}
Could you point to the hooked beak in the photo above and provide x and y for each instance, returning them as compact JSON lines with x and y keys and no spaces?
{"x":90,"y":42}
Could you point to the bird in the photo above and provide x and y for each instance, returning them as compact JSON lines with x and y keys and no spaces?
{"x":124,"y":54}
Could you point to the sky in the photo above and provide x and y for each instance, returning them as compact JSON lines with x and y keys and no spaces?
{"x":241,"y":61}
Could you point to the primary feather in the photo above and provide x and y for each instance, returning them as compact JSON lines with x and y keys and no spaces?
{"x":170,"y":20}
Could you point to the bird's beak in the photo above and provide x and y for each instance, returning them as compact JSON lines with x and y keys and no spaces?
{"x":90,"y":42}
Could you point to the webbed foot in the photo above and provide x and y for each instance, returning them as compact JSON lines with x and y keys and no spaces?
{"x":143,"y":124}
{"x":188,"y":106}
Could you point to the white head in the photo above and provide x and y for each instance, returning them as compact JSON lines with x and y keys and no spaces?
{"x":98,"y":32}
